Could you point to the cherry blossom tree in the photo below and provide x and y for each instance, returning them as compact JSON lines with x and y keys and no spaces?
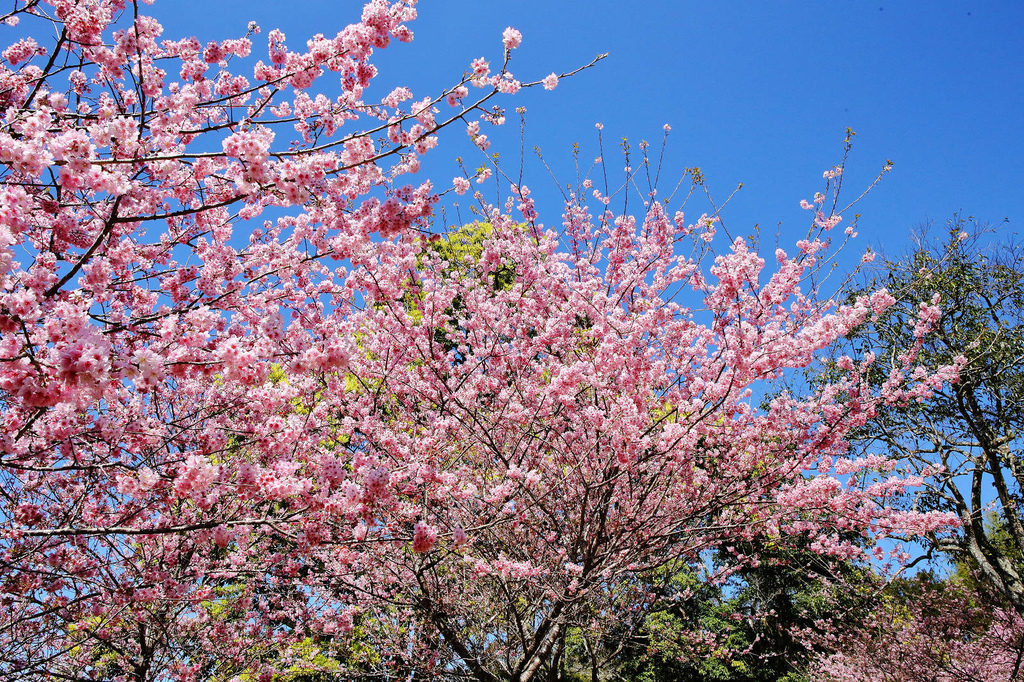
{"x":255,"y":420}
{"x":930,"y":630}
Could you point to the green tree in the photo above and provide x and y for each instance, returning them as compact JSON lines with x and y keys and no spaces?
{"x":971,"y":427}
{"x":765,"y":624}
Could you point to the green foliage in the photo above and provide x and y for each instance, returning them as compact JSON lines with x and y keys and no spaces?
{"x":745,"y":628}
{"x":460,"y":251}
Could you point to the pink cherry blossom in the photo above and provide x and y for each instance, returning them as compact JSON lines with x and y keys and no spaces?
{"x":424,"y":537}
{"x":251,"y":384}
{"x":511,"y":38}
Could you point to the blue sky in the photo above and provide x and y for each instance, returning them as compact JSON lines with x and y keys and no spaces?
{"x":755,"y":92}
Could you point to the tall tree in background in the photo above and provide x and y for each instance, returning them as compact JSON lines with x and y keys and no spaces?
{"x":767,"y":623}
{"x":970,"y":428}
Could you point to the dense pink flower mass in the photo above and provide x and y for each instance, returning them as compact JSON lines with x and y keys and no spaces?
{"x":248,"y":404}
{"x":942,"y":633}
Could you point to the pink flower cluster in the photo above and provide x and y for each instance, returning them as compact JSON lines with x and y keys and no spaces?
{"x":196,"y":477}
{"x":424,"y":537}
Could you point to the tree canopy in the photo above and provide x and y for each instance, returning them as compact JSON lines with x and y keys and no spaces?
{"x":260,"y":423}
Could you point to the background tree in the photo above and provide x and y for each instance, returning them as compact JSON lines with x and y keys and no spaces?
{"x":768,"y":621}
{"x":923,"y":628}
{"x":971,"y":428}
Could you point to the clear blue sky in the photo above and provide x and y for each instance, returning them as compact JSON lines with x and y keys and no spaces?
{"x":756,"y":92}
